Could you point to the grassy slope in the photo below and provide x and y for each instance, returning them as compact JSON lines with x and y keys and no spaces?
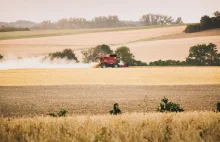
{"x":48,"y":33}
{"x":215,"y":32}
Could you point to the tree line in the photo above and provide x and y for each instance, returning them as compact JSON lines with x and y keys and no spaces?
{"x":107,"y":22}
{"x":110,"y":21}
{"x":199,"y":55}
{"x":206,"y":23}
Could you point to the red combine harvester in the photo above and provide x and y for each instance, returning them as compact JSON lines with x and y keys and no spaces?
{"x":110,"y":60}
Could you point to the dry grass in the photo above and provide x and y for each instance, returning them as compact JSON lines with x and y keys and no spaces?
{"x":187,"y":127}
{"x":126,"y":76}
{"x":99,"y":99}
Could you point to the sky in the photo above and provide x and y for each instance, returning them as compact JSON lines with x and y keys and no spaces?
{"x":39,"y":10}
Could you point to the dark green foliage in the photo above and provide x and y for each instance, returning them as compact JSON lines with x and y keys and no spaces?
{"x":102,"y":50}
{"x":203,"y":55}
{"x":91,"y":54}
{"x":10,"y":29}
{"x":192,"y":28}
{"x":166,"y":106}
{"x":115,"y":110}
{"x":52,"y":114}
{"x":218,"y":106}
{"x":138,"y":63}
{"x":127,"y":57}
{"x":1,"y":56}
{"x":66,"y":53}
{"x":206,"y":23}
{"x":167,"y":63}
{"x":61,"y":113}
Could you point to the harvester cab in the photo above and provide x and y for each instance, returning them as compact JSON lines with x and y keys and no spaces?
{"x":110,"y":60}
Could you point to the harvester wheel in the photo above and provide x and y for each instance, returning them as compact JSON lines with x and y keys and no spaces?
{"x":103,"y":66}
{"x":116,"y":66}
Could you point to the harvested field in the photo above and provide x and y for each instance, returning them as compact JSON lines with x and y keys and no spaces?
{"x":39,"y":46}
{"x":214,"y":32}
{"x":99,"y":99}
{"x":175,"y":49}
{"x":120,"y":76}
{"x":61,"y":32}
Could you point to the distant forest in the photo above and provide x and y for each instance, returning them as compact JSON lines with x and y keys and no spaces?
{"x":97,"y":22}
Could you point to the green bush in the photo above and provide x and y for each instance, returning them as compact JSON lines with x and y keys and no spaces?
{"x":1,"y":56}
{"x":138,"y":63}
{"x":218,"y":106}
{"x":61,"y":113}
{"x":11,"y":29}
{"x":166,"y":106}
{"x":167,"y":63}
{"x":192,"y":28}
{"x":66,"y":53}
{"x":206,"y":23}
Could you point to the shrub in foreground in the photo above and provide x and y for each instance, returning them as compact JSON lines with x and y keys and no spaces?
{"x":166,"y":106}
{"x":1,"y":56}
{"x":61,"y":113}
{"x":218,"y":106}
{"x":66,"y":53}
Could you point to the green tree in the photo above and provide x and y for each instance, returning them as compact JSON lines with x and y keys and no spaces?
{"x":91,"y":54}
{"x":179,"y":20}
{"x":101,"y":50}
{"x":206,"y":22}
{"x":126,"y":56}
{"x":203,"y":54}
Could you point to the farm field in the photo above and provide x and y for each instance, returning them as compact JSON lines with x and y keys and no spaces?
{"x":145,"y":44}
{"x":120,"y":76}
{"x":28,"y":95}
{"x":39,"y":46}
{"x":175,"y":49}
{"x":61,"y":32}
{"x":214,"y":32}
{"x":99,"y":99}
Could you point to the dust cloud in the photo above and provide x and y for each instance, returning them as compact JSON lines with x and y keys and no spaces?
{"x":41,"y":62}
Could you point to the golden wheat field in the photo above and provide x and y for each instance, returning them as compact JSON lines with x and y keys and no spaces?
{"x":124,"y":76}
{"x":188,"y":127}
